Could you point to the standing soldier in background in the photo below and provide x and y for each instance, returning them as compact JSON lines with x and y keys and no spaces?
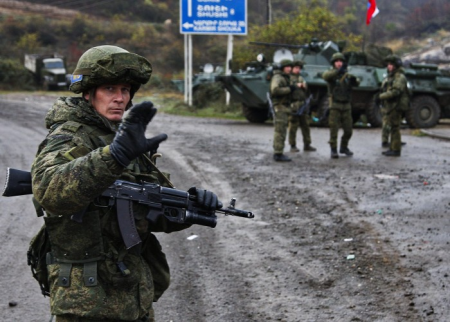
{"x":280,"y":92}
{"x":298,"y":116}
{"x":395,"y":100}
{"x":340,"y":84}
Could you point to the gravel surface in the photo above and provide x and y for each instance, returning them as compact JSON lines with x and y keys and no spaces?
{"x":363,"y":238}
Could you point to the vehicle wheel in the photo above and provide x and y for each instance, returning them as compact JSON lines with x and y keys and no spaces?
{"x":373,"y":114}
{"x":323,"y":111}
{"x":254,"y":114}
{"x":424,"y":112}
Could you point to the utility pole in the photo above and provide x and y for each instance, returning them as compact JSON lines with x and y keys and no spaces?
{"x":269,"y":12}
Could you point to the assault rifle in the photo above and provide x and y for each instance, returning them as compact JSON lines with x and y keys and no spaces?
{"x":177,"y":206}
{"x":271,"y":109}
{"x":305,"y":106}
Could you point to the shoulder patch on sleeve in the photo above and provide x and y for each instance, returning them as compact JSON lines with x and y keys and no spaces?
{"x":76,"y":152}
{"x":71,"y":126}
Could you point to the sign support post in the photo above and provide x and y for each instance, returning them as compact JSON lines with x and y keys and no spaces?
{"x":210,"y":17}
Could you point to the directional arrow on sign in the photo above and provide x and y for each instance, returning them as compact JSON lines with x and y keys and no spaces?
{"x":187,"y":25}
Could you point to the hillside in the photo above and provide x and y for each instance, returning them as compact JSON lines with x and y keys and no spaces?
{"x":151,"y":28}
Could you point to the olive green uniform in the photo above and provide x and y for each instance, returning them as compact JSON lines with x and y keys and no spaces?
{"x":339,"y":90}
{"x":298,"y":99}
{"x":280,"y":92}
{"x":395,"y":100}
{"x":74,"y":165}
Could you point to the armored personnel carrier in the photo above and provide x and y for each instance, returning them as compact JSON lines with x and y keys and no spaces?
{"x":429,"y":87}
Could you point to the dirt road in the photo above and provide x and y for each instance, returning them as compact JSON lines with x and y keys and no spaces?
{"x":290,"y":263}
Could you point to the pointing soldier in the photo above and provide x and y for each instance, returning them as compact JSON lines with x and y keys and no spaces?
{"x":340,"y":84}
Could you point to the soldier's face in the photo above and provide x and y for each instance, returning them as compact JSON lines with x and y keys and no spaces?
{"x":296,"y":70}
{"x":111,"y":100}
{"x":390,"y":67}
{"x":338,"y":64}
{"x":287,"y":69}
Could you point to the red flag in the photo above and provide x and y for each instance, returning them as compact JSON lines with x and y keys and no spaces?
{"x":372,"y":10}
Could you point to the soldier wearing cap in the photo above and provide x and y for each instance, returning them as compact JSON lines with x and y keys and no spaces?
{"x":395,"y":100}
{"x":280,"y":92}
{"x":340,"y":84}
{"x":299,"y":112}
{"x":92,"y":275}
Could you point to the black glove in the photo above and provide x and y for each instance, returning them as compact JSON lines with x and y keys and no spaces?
{"x":293,"y":88}
{"x":206,"y":199}
{"x":130,"y":141}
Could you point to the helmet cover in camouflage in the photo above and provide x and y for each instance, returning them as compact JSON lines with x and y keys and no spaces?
{"x":285,"y":62}
{"x":337,"y":56}
{"x":298,"y":63}
{"x":110,"y":65}
{"x":394,"y":60}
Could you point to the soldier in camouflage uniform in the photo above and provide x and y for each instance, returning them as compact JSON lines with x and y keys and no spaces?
{"x":280,"y":92}
{"x":340,"y":84}
{"x":298,"y":99}
{"x":92,"y":274}
{"x":395,"y":100}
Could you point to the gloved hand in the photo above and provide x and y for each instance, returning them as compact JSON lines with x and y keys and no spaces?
{"x":206,"y":199}
{"x":130,"y":140}
{"x":343,"y":69}
{"x":293,"y":88}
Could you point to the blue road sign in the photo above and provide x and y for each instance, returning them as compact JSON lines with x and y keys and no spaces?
{"x":213,"y":17}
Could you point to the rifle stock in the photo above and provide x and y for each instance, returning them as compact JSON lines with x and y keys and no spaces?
{"x":18,"y":183}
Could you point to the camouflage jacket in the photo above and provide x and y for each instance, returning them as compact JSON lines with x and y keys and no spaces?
{"x":91,"y":274}
{"x":340,"y":88}
{"x":394,"y":91}
{"x":299,"y":94}
{"x":280,"y":90}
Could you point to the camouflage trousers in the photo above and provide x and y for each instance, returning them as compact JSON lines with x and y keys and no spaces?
{"x":385,"y":128}
{"x":74,"y":318}
{"x":280,"y":128}
{"x":393,"y":120}
{"x":337,"y":119}
{"x":294,"y":122}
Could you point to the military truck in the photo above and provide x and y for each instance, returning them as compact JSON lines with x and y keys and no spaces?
{"x":49,"y":71}
{"x":429,"y":87}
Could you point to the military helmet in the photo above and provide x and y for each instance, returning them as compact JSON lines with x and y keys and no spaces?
{"x":394,"y":60}
{"x":337,"y":56}
{"x":110,"y":65}
{"x":298,"y":63}
{"x":285,"y":62}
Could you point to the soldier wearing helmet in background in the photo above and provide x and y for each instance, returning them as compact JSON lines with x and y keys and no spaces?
{"x":340,"y":84}
{"x":92,"y":275}
{"x":299,"y":113}
{"x":280,"y":92}
{"x":395,"y":100}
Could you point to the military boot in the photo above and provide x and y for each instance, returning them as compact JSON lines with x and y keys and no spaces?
{"x":294,"y":148}
{"x":385,"y":144}
{"x":279,"y":157}
{"x":346,"y":151}
{"x":334,"y":154}
{"x":391,"y":153}
{"x":309,"y":148}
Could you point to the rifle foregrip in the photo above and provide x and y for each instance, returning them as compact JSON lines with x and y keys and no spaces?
{"x":18,"y":183}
